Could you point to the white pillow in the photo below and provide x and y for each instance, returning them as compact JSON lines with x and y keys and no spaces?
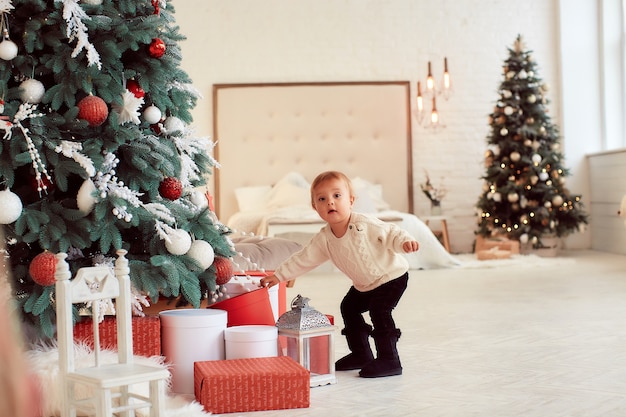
{"x":293,"y":178}
{"x":363,"y":203}
{"x":288,"y":195}
{"x":374,"y":192}
{"x":252,"y":198}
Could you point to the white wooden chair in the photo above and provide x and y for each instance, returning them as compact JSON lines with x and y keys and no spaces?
{"x":108,"y":385}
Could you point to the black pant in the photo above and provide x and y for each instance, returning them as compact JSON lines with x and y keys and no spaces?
{"x":380,"y":302}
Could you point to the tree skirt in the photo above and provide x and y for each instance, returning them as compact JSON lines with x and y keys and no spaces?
{"x":44,"y":362}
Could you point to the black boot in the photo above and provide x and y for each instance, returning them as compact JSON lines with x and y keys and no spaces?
{"x":361,"y":352}
{"x":387,"y":362}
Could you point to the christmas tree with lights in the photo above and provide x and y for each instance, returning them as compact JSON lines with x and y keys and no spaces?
{"x":524,"y":195}
{"x":98,"y":154}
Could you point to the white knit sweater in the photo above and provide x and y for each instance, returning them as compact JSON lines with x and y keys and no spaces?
{"x":368,"y":253}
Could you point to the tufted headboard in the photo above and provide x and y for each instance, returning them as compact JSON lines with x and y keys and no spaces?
{"x":264,"y":131}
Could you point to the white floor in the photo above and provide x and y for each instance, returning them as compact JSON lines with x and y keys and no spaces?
{"x":540,"y":337}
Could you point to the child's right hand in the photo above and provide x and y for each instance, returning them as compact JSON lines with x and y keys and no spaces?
{"x":269,"y":281}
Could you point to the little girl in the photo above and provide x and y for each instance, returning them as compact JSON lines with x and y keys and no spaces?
{"x":367,"y":250}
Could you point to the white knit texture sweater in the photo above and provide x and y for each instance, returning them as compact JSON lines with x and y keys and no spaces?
{"x":368,"y":253}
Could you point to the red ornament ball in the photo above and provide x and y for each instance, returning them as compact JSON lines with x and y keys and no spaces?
{"x":156,"y":49}
{"x":134,"y":87}
{"x":93,"y":109}
{"x":223,"y":270}
{"x":171,"y":188}
{"x":43,"y":185}
{"x":42,"y":268}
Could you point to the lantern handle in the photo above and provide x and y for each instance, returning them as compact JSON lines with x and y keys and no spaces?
{"x":300,"y":302}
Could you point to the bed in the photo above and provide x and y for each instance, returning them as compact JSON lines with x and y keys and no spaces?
{"x":273,"y":139}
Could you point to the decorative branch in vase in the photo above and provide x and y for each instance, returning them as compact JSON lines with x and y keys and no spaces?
{"x":434,"y":194}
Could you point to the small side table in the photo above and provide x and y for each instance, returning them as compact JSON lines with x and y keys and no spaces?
{"x":441,"y":233}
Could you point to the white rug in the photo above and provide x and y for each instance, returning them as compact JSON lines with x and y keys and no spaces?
{"x":469,"y":260}
{"x":44,"y":362}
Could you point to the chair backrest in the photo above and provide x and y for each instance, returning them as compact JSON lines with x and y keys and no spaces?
{"x":94,"y":286}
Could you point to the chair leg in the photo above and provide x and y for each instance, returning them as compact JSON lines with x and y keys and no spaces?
{"x":124,"y":400}
{"x":105,"y":407}
{"x":157,"y":397}
{"x":68,"y":410}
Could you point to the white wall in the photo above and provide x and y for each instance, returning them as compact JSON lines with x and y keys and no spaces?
{"x":234,"y":41}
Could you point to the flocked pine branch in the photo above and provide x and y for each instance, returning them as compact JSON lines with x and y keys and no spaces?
{"x":76,"y":29}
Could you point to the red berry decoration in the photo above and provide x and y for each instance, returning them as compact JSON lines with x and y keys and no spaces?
{"x":93,"y":109}
{"x":134,"y":87}
{"x":42,"y":268}
{"x":156,"y":49}
{"x":171,"y":188}
{"x":223,"y":270}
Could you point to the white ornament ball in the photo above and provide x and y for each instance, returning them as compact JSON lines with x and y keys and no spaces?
{"x":85,"y":199}
{"x":543,"y":176}
{"x":152,"y":114}
{"x":547,"y":204}
{"x":515,"y":156}
{"x":534,"y":179}
{"x":202,"y":252}
{"x":507,"y":94}
{"x":557,"y":200}
{"x":536,"y":158}
{"x":92,"y":2}
{"x":8,"y":49}
{"x":522,"y":75}
{"x":32,"y":91}
{"x":11,"y":207}
{"x":532,"y":98}
{"x":173,"y":124}
{"x":180,"y":242}
{"x":497,"y":197}
{"x":199,"y":199}
{"x":512,"y":197}
{"x":504,"y":131}
{"x":528,"y":143}
{"x":523,"y":239}
{"x":508,"y":110}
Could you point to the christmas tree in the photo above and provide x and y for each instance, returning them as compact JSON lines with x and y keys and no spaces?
{"x":524,"y":195}
{"x":98,"y":153}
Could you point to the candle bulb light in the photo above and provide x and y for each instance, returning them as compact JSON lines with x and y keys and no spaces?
{"x":430,"y":80}
{"x":446,"y":85}
{"x":434,"y":114}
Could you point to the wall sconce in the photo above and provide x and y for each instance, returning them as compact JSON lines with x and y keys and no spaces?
{"x":430,"y":119}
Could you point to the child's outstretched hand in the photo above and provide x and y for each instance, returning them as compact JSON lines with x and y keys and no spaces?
{"x":410,"y":246}
{"x":269,"y":281}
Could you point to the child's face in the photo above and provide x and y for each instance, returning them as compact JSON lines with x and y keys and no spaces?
{"x":332,"y":201}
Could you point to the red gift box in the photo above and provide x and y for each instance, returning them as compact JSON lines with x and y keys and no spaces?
{"x":238,"y":385}
{"x":146,"y":334}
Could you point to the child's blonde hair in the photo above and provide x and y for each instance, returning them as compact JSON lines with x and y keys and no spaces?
{"x":330,"y":175}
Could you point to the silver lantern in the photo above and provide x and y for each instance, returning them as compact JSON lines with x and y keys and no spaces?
{"x":308,"y":337}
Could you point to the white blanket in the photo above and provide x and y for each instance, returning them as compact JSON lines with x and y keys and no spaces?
{"x":431,"y":254}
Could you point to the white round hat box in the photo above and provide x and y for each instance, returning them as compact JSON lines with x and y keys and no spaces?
{"x":188,"y":336}
{"x":251,"y":341}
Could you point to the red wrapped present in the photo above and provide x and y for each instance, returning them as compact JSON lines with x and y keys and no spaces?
{"x":255,"y":384}
{"x":146,"y":334}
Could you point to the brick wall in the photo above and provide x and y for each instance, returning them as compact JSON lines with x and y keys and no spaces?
{"x":234,"y":41}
